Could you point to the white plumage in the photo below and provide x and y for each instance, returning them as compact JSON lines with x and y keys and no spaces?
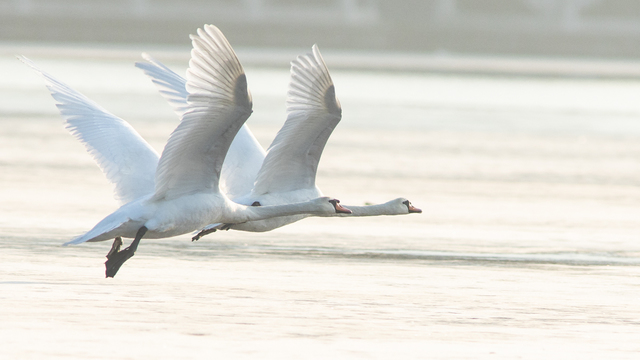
{"x":248,"y":175}
{"x":288,"y":172}
{"x":126,"y":159}
{"x":187,"y":195}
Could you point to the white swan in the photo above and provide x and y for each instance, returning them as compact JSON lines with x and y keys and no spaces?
{"x":288,"y":171}
{"x":186,"y":196}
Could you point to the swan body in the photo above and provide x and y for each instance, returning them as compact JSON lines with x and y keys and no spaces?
{"x":289,"y":169}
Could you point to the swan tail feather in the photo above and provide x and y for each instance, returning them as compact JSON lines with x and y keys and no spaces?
{"x":101,"y":232}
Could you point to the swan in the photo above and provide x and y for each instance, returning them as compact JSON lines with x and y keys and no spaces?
{"x":287,"y":171}
{"x":186,"y":194}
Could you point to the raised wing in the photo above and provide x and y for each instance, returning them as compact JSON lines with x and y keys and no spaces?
{"x":245,"y":156}
{"x":125,"y":158}
{"x":313,"y":111}
{"x":241,"y":166}
{"x":219,"y":104}
{"x":172,"y":86}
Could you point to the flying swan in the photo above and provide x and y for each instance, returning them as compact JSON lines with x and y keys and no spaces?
{"x":287,"y":171}
{"x":186,"y":194}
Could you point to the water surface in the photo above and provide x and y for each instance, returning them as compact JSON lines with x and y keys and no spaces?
{"x":527,"y":247}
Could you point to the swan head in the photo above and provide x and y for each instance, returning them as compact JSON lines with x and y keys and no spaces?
{"x":402,"y":206}
{"x":410,"y":208}
{"x":339,"y":209}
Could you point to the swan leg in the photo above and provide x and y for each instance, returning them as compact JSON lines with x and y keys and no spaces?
{"x":203,"y":233}
{"x":117,"y":243}
{"x":117,"y":257}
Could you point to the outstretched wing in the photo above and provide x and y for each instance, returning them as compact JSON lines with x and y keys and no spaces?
{"x":313,"y":111}
{"x":172,"y":86}
{"x":219,"y":104}
{"x":245,"y":156}
{"x":241,"y":166}
{"x":126,"y":159}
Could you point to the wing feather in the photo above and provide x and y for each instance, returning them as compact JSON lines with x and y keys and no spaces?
{"x":125,"y":158}
{"x":313,"y":111}
{"x":171,"y":85}
{"x":245,"y":155}
{"x":219,"y":104}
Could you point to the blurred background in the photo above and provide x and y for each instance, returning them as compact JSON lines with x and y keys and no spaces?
{"x":576,"y":28}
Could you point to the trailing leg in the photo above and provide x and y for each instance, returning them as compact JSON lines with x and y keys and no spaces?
{"x":117,"y":257}
{"x":203,"y":233}
{"x":117,"y":243}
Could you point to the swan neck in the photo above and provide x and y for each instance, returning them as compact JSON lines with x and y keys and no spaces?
{"x":387,"y":208}
{"x":368,"y":210}
{"x":266,"y":212}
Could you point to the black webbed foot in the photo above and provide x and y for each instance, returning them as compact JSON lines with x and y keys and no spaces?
{"x":116,"y":260}
{"x":117,"y":257}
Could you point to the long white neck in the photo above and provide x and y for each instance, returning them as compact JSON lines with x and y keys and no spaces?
{"x":388,"y":208}
{"x":243,"y":213}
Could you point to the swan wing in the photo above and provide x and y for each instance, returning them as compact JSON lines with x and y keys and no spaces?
{"x":245,"y":156}
{"x":241,"y":166}
{"x":313,"y":111}
{"x":126,"y":159}
{"x":171,"y":86}
{"x":219,"y":104}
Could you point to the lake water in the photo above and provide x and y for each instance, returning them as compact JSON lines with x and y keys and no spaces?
{"x":528,"y":246}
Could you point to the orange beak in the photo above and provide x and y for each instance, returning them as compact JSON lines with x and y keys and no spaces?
{"x":339,"y":208}
{"x":412,"y":209}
